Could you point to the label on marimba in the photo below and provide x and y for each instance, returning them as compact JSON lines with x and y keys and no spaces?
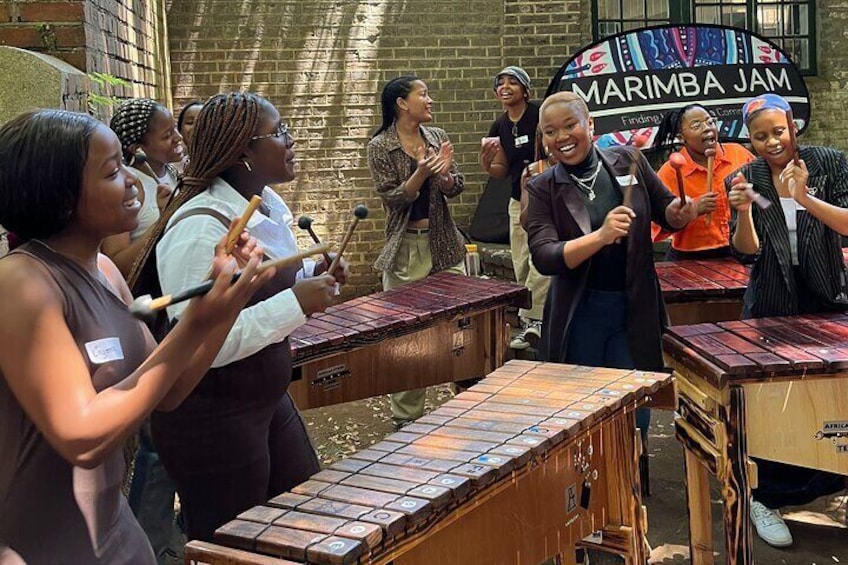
{"x":331,"y":377}
{"x":571,"y":498}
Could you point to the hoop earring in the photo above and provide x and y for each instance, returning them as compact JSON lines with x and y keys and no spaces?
{"x":247,"y":166}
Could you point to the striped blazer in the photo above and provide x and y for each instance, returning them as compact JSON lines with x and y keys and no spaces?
{"x":772,"y":289}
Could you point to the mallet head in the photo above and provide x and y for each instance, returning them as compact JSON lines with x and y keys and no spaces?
{"x":304,"y":222}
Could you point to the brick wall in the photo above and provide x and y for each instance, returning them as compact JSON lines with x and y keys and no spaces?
{"x":323,"y":64}
{"x":828,"y":94}
{"x":122,"y":38}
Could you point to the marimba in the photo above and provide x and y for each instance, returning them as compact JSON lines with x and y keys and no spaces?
{"x":519,"y":468}
{"x":772,"y":388}
{"x":708,"y":290}
{"x":443,"y":328}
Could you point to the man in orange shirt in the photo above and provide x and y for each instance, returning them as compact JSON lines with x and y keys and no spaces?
{"x":707,"y":236}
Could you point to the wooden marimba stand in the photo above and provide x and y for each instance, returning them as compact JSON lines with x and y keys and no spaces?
{"x":771,"y":388}
{"x":443,"y":328}
{"x":520,"y":468}
{"x":697,"y":291}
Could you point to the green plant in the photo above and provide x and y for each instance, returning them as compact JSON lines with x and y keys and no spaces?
{"x":100,"y":97}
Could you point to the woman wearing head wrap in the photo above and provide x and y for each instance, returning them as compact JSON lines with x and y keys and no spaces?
{"x":506,"y":153}
{"x":150,"y":143}
{"x":798,"y":268}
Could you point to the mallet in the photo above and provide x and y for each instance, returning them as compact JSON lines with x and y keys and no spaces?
{"x":710,"y":152}
{"x":678,"y":161}
{"x":233,"y":235}
{"x":755,"y":196}
{"x":305,"y":223}
{"x":142,"y":162}
{"x":144,"y":306}
{"x":638,"y":142}
{"x":790,"y":124}
{"x":359,"y":213}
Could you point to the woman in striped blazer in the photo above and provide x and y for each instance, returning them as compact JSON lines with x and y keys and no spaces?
{"x":798,"y":268}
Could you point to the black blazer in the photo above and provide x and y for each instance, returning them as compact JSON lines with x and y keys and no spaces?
{"x":772,"y":289}
{"x":556,"y":214}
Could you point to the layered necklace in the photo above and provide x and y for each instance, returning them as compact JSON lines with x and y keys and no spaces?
{"x":587,"y":183}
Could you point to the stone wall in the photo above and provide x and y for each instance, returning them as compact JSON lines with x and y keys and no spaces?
{"x":324,"y":62}
{"x":123,"y":38}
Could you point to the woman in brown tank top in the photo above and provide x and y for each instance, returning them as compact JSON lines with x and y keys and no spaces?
{"x":77,"y":372}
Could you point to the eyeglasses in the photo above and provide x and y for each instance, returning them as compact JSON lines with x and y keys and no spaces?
{"x":698,"y":127}
{"x":281,"y":131}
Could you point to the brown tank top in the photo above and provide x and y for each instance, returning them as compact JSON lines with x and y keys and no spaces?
{"x":51,"y":511}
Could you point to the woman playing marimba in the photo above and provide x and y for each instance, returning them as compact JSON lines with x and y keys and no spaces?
{"x":797,"y":266}
{"x":78,"y":374}
{"x":415,"y":173}
{"x":695,"y":129}
{"x":589,"y":224}
{"x":238,"y":439}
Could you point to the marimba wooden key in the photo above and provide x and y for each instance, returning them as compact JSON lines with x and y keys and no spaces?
{"x":487,"y":478}
{"x":708,"y":290}
{"x":769,"y":388}
{"x":443,"y":328}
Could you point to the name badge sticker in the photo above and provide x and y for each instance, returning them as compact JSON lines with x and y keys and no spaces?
{"x":626,"y":180}
{"x":104,"y":350}
{"x":522,"y":140}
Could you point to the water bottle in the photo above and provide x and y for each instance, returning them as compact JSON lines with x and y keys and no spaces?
{"x":472,"y":260}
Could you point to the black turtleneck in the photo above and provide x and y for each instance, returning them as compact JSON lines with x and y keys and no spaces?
{"x":609,"y":265}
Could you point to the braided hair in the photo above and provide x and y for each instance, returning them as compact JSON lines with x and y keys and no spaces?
{"x":671,"y":126}
{"x":222,"y":132}
{"x":131,"y":121}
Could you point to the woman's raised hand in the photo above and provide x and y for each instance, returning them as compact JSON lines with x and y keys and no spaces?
{"x":616,"y":225}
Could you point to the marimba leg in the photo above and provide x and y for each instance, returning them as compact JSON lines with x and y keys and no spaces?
{"x":736,"y":490}
{"x":698,"y":507}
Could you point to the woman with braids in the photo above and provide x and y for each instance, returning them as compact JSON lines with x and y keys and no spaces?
{"x":695,"y":129}
{"x":78,"y":373}
{"x":414,"y":172}
{"x":144,"y":125}
{"x":238,"y":439}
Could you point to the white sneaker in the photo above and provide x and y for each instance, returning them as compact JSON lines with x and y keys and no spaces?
{"x":770,"y":526}
{"x":520,"y":341}
{"x":533,"y":333}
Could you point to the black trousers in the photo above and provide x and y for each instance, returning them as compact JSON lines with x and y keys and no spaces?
{"x":227,"y":456}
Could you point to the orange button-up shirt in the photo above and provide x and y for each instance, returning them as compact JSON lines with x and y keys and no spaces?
{"x":698,"y":235}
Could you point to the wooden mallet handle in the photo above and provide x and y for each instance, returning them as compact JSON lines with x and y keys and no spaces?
{"x":793,"y":140}
{"x":710,"y":153}
{"x":144,"y":306}
{"x":235,"y":232}
{"x":359,"y":213}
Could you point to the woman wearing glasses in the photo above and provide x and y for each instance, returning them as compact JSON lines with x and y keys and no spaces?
{"x":695,"y":130}
{"x":238,"y":439}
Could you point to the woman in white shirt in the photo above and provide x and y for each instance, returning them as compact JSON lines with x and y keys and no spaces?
{"x":142,"y":124}
{"x":238,"y":440}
